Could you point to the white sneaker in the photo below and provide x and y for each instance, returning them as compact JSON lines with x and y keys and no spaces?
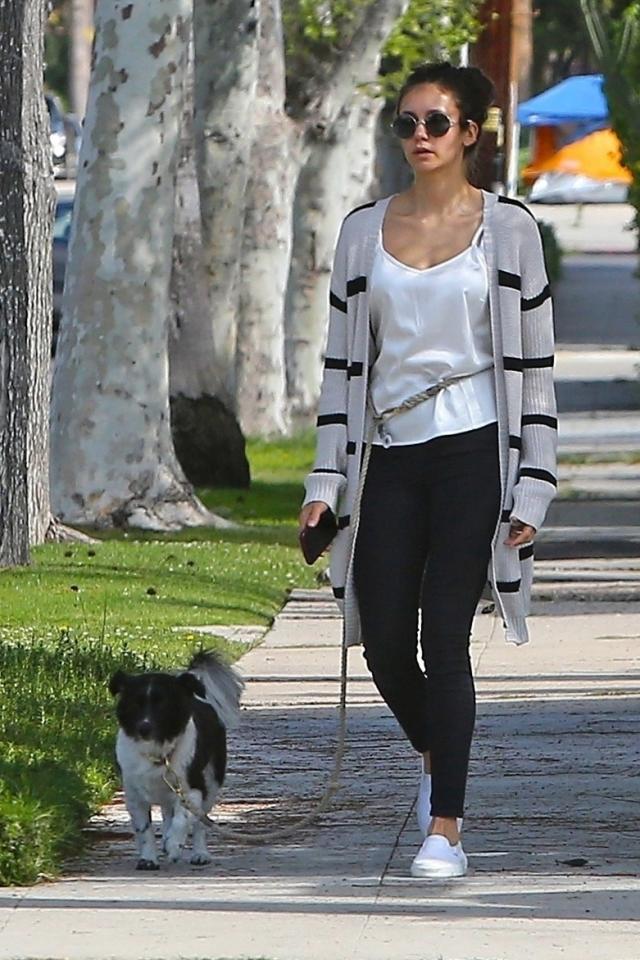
{"x":437,"y":858}
{"x":423,"y":805}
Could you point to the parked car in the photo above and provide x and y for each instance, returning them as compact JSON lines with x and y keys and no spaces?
{"x":61,"y":234}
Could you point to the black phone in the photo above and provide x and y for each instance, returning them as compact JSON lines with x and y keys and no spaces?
{"x":315,"y":540}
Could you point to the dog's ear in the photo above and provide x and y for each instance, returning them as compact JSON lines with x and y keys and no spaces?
{"x":192,"y":684}
{"x":117,"y":682}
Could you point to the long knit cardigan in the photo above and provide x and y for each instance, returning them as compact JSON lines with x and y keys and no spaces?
{"x":522,"y":334}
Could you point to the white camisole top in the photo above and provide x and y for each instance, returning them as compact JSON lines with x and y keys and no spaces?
{"x":430,"y":324}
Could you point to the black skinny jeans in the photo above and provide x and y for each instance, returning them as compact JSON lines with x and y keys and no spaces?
{"x":428,"y":514}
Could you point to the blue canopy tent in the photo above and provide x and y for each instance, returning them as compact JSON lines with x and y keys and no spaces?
{"x":575,"y":100}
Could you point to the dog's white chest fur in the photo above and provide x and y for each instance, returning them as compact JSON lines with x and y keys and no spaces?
{"x":143,"y":763}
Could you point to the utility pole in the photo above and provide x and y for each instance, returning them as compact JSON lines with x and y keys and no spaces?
{"x":81,"y":34}
{"x":503,"y":50}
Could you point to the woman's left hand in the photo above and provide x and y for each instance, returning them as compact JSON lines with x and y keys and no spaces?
{"x":519,"y":533}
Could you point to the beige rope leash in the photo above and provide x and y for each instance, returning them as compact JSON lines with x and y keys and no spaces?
{"x":177,"y":786}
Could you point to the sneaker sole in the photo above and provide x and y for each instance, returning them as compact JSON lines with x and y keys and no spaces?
{"x":438,"y":870}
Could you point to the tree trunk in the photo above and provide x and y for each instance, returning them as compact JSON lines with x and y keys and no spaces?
{"x":113,"y":460}
{"x":338,"y":175}
{"x":14,"y":526}
{"x":275,"y":162}
{"x":206,"y":435}
{"x":26,"y":197}
{"x":39,"y":203}
{"x":226,"y":70}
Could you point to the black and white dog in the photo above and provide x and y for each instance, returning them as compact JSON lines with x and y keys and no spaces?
{"x":182,"y":718}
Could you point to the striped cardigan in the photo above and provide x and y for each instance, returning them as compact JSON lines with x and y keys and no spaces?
{"x":522,"y":334}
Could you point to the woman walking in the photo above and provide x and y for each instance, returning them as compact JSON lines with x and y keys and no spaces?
{"x":436,"y":432}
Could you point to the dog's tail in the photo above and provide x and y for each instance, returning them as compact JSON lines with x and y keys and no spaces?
{"x":223,"y":685}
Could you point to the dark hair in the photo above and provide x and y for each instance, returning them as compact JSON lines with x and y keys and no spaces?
{"x":474,"y":92}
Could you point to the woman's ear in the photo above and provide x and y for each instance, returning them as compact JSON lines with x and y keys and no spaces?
{"x":471,"y":133}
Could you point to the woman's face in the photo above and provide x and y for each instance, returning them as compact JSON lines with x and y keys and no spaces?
{"x":426,"y":153}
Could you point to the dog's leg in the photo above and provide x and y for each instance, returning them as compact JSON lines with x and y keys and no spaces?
{"x":167,"y":808}
{"x":140,"y":813}
{"x":179,"y":831}
{"x":200,"y":856}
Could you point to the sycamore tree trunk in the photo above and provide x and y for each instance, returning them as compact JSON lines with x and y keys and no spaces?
{"x":26,"y":204}
{"x":113,"y":460}
{"x":192,"y":361}
{"x":338,"y":174}
{"x":261,"y":399}
{"x":226,"y":71}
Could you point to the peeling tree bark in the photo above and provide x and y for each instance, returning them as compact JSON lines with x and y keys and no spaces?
{"x":275,"y":162}
{"x":338,"y":175}
{"x":226,"y":71}
{"x":113,"y":460}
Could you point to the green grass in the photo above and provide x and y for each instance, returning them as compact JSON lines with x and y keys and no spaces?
{"x":78,"y":613}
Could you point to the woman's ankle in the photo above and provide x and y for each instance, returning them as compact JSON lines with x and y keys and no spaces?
{"x":445,"y":827}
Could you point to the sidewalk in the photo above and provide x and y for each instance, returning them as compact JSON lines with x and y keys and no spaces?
{"x":555,"y":760}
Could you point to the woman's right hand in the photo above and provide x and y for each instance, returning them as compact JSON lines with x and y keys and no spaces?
{"x":311,"y":513}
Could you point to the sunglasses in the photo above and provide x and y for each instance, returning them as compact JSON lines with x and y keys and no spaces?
{"x":436,"y":123}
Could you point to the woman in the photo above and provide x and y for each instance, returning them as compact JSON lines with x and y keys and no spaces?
{"x":440,"y":353}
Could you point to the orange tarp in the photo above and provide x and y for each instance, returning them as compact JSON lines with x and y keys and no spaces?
{"x":596,"y":156}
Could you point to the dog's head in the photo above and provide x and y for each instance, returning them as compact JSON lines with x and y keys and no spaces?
{"x":154,"y":706}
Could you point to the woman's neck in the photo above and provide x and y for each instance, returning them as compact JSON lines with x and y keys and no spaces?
{"x":441,"y":193}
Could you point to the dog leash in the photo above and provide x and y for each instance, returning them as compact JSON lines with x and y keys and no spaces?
{"x":173,"y":779}
{"x":177,"y":786}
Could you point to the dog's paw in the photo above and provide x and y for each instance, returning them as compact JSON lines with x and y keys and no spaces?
{"x":143,"y":864}
{"x":200,"y":859}
{"x":174,"y":853}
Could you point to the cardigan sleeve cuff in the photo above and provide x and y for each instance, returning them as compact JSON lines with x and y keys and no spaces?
{"x":324,"y":487}
{"x":529,"y":506}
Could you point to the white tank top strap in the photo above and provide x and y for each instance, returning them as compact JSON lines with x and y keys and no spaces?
{"x":477,"y":237}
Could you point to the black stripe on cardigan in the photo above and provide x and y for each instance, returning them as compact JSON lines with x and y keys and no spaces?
{"x":539,"y":418}
{"x":505,"y":516}
{"x":363,"y":206}
{"x":519,"y":364}
{"x":515,"y":443}
{"x":351,"y":448}
{"x":336,"y":302}
{"x":516,"y":203}
{"x":338,"y":593}
{"x":335,"y":363}
{"x":531,"y":303}
{"x":325,"y":470}
{"x":511,"y":280}
{"x":344,"y":521}
{"x":357,"y":285}
{"x":525,"y":552}
{"x":508,"y":586}
{"x":325,"y":419}
{"x":537,"y":474}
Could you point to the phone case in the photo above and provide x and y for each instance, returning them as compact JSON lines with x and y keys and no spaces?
{"x":315,"y":540}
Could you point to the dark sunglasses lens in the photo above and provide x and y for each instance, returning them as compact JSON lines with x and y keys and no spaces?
{"x":404,"y":126}
{"x":437,"y":124}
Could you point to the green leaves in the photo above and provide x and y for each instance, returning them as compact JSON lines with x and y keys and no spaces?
{"x":318,"y":31}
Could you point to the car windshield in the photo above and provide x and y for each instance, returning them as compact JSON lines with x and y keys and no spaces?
{"x":62,"y":223}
